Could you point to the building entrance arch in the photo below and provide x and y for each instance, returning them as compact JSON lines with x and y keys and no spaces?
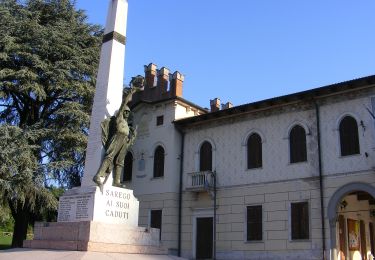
{"x":339,"y":215}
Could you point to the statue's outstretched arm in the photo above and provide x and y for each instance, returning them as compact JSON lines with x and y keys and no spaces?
{"x":136,"y":85}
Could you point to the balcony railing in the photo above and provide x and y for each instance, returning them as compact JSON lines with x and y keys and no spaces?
{"x":199,"y":181}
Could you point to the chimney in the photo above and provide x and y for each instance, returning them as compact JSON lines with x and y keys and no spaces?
{"x":150,"y":74}
{"x":226,"y":105}
{"x":163,"y":78}
{"x":176,"y":84}
{"x":215,"y":104}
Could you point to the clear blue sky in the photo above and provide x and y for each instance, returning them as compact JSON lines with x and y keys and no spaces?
{"x":248,"y":50}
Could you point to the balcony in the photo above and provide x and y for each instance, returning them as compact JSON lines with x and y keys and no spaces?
{"x":199,"y":181}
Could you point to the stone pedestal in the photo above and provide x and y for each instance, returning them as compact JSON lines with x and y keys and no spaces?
{"x":91,"y":220}
{"x":114,"y":205}
{"x":95,"y":236}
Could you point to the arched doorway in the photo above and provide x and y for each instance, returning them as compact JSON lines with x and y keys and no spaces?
{"x":351,"y":214}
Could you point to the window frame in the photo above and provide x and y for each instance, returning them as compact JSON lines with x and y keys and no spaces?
{"x":161,"y":220}
{"x":132,"y":168}
{"x":291,"y":239}
{"x":246,"y":237}
{"x":290,"y":144}
{"x":258,"y":166}
{"x":154,"y":162}
{"x":200,"y":156}
{"x":160,"y":120}
{"x":340,"y":148}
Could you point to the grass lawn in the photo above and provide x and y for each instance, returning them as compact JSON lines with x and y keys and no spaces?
{"x":5,"y":242}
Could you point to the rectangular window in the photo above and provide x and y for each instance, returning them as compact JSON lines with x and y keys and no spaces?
{"x":300,"y":220}
{"x":155,"y":221}
{"x":254,"y":223}
{"x":159,"y":120}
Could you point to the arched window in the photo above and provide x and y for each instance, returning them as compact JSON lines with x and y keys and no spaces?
{"x":205,"y":158}
{"x":254,"y":151}
{"x":349,"y":140}
{"x":159,"y":162}
{"x":297,"y":144}
{"x":128,"y":167}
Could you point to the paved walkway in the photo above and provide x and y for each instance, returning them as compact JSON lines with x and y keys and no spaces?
{"x":39,"y":254}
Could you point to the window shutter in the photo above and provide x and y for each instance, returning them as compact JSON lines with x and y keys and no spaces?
{"x":304,"y":221}
{"x":205,"y":160}
{"x":295,"y":221}
{"x":156,"y":220}
{"x":159,"y":162}
{"x":128,"y":167}
{"x":254,"y":151}
{"x":300,"y":220}
{"x":159,"y":120}
{"x":254,"y":223}
{"x":297,"y":144}
{"x":349,"y":140}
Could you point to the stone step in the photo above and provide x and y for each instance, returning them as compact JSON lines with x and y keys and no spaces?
{"x":88,"y":231}
{"x":94,"y":246}
{"x":53,"y":244}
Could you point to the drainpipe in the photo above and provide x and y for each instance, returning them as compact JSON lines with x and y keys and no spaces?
{"x":214,"y":256}
{"x":180,"y":191}
{"x":317,"y":112}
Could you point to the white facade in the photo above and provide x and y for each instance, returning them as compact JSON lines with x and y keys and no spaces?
{"x":275,"y":186}
{"x":159,"y":193}
{"x":149,"y":137}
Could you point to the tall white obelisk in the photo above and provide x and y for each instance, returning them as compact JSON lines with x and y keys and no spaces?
{"x":109,"y":85}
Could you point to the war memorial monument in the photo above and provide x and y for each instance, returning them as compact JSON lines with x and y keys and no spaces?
{"x":102,"y":215}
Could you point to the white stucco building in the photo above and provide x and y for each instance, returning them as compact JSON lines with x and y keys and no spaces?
{"x":253,"y":181}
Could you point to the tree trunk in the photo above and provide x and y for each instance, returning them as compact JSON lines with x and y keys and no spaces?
{"x":21,"y":221}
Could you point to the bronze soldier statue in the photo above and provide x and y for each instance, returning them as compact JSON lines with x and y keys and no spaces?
{"x":117,"y":138}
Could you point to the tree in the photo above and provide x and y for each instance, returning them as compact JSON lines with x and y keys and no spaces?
{"x":6,"y":221}
{"x":21,"y":183}
{"x":48,"y":60}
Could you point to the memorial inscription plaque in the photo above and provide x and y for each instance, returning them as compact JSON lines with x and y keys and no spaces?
{"x":75,"y":208}
{"x":115,"y":205}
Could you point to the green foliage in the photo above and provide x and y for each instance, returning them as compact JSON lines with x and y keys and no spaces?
{"x":6,"y":220}
{"x":48,"y":60}
{"x":51,"y":214}
{"x":21,"y":182}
